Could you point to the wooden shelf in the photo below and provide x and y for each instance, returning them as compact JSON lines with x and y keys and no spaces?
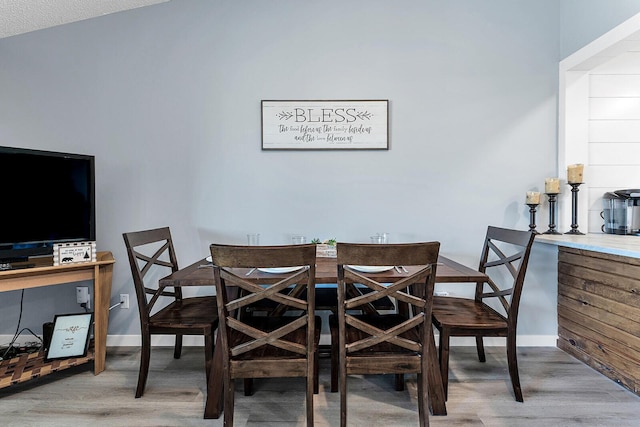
{"x":26,"y":367}
{"x":44,"y":273}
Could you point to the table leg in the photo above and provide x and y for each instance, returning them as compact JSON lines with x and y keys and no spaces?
{"x":437,"y":399}
{"x":213,"y":404}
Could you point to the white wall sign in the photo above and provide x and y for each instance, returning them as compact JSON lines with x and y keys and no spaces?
{"x":73,"y":253}
{"x":325,"y":125}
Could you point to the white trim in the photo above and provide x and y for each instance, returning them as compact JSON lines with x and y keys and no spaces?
{"x":603,"y":48}
{"x":573,"y":111}
{"x":573,"y":135}
{"x":522,"y":341}
{"x":166,"y":341}
{"x":156,"y":340}
{"x":198,"y":341}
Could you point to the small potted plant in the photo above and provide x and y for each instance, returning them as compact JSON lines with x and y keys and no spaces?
{"x":325,"y":248}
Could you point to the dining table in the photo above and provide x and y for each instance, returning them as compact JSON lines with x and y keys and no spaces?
{"x":200,"y":273}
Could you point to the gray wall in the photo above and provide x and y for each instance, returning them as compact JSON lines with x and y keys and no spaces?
{"x":167,"y":98}
{"x":582,"y":21}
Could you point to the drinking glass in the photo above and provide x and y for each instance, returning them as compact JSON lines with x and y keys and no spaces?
{"x":298,"y":240}
{"x":377,"y":239}
{"x":380,"y":238}
{"x":253,"y":239}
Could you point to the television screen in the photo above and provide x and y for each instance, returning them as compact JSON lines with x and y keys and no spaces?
{"x":47,"y":198}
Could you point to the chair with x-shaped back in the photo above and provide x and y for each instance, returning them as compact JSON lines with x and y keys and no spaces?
{"x":151,"y":257}
{"x":385,"y":343}
{"x":281,"y":344}
{"x":505,"y":255}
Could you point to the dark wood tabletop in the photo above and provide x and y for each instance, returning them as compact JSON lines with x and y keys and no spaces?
{"x":201,"y":274}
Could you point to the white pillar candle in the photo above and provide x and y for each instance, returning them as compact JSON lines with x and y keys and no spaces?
{"x":552,"y":185}
{"x":574,"y":173}
{"x":533,"y":198}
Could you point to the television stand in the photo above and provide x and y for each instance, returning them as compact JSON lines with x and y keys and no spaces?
{"x":27,"y":366}
{"x":44,"y":273}
{"x":8,"y":266}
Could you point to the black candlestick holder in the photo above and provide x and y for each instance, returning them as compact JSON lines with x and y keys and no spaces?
{"x":552,"y":214}
{"x":574,"y":208}
{"x":532,"y":217}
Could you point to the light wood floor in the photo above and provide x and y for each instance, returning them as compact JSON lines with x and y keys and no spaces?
{"x":558,"y":391}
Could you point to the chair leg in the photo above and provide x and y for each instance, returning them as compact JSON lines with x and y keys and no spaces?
{"x":399,"y":382}
{"x":248,"y":386}
{"x":208,"y":353}
{"x":343,"y":395}
{"x":177,"y":351}
{"x":480,"y":347}
{"x":229,"y":390}
{"x":334,"y":360}
{"x":423,"y":399}
{"x":443,"y":351}
{"x":316,"y":372}
{"x":310,"y":385}
{"x":145,"y":355}
{"x":512,"y":359}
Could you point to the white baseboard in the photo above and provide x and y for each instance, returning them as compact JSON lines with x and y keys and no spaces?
{"x":165,"y":340}
{"x":156,"y":341}
{"x":198,"y":341}
{"x":522,"y":341}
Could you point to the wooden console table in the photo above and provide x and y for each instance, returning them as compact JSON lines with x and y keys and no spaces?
{"x":45,"y":274}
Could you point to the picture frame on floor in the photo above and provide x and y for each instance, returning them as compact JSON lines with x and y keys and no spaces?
{"x":70,"y":336}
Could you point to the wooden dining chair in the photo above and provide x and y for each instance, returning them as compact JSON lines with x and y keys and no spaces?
{"x":385,"y":343}
{"x":165,"y":311}
{"x":504,"y":259}
{"x":281,"y":344}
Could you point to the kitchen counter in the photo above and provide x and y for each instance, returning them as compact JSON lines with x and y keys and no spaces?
{"x":599,"y":302}
{"x":613,"y":244}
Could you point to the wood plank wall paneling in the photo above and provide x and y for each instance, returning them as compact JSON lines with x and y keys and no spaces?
{"x":599,"y":312}
{"x":613,"y":132}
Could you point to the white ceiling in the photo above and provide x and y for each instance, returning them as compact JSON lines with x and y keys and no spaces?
{"x":23,"y":16}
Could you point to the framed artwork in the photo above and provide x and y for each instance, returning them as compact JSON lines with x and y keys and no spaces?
{"x":70,"y":336}
{"x":325,"y":125}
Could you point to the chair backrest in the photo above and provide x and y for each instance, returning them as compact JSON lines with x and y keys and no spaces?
{"x":151,"y":257}
{"x":505,"y":251}
{"x":415,"y":290}
{"x":236,"y":291}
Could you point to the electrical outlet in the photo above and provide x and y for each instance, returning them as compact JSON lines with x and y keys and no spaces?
{"x":82,"y":294}
{"x":124,"y":301}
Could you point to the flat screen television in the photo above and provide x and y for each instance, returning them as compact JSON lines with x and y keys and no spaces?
{"x":47,"y":197}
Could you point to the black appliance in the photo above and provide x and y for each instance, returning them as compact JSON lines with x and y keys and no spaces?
{"x":621,"y":212}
